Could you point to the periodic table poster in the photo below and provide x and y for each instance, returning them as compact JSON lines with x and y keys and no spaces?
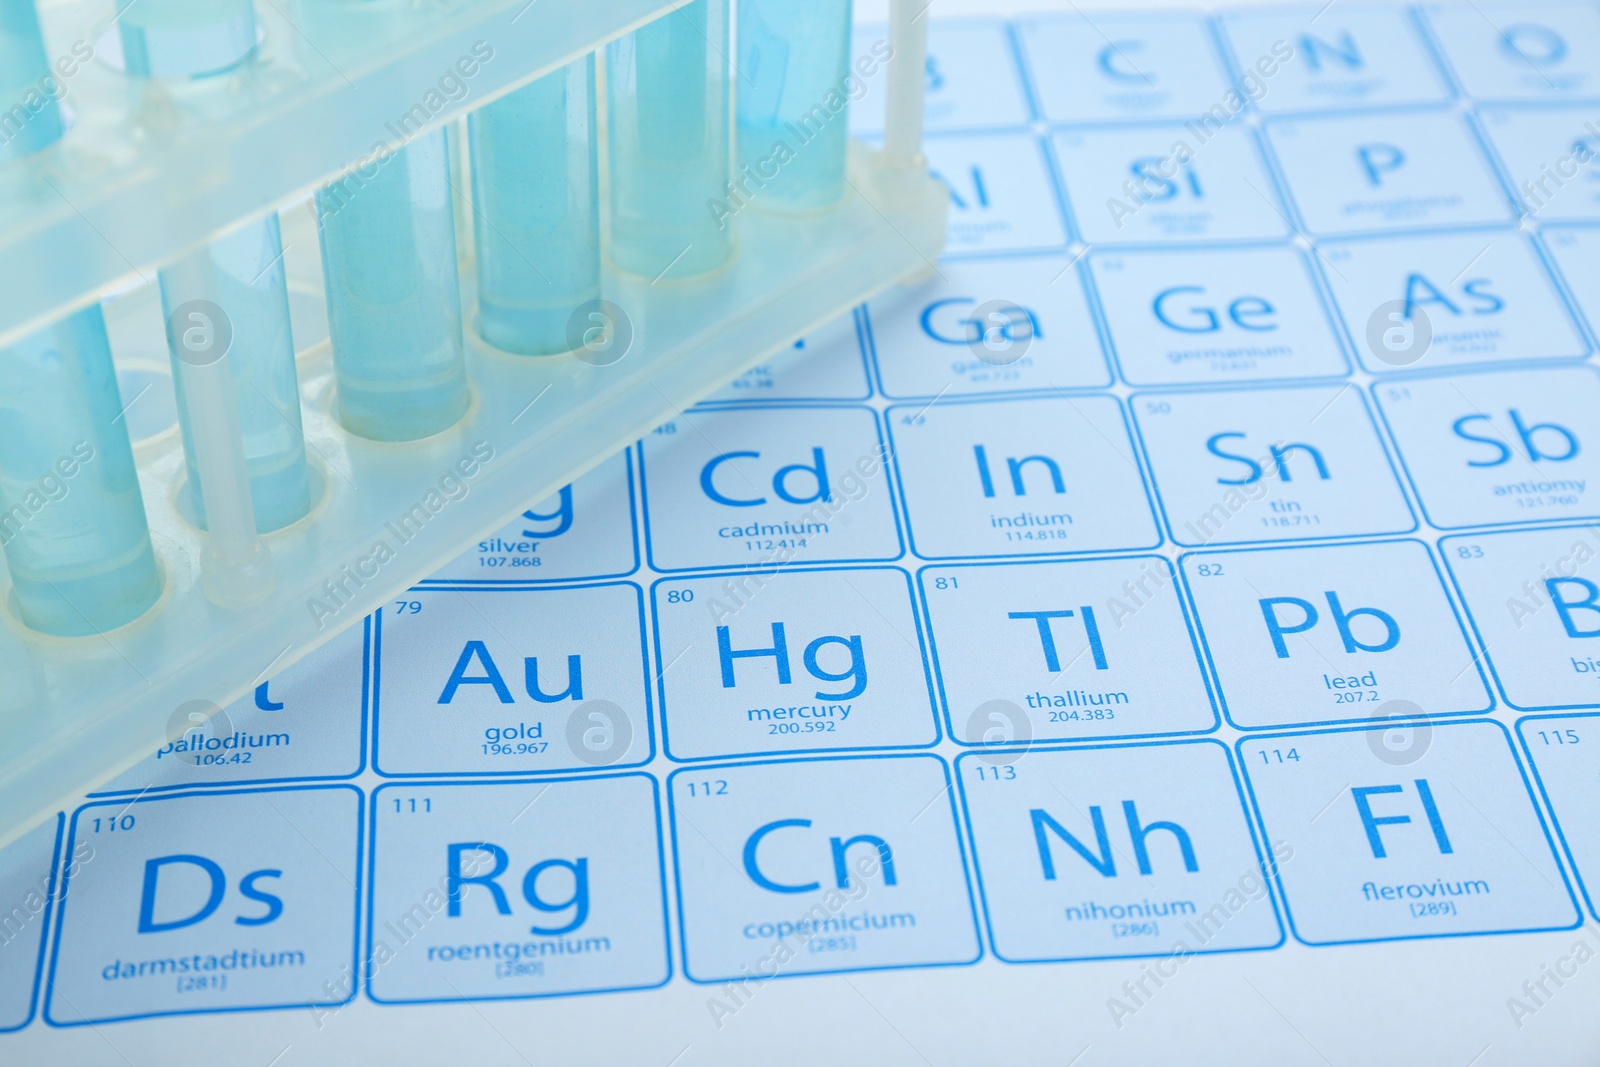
{"x":1169,"y":632}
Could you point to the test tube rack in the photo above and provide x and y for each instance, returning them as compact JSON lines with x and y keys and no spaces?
{"x":149,"y":171}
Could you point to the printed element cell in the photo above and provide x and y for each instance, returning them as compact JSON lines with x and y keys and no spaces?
{"x":971,"y":78}
{"x":1565,"y":752}
{"x":1343,"y":57}
{"x":1020,"y":477}
{"x":826,"y":364}
{"x":517,"y":889}
{"x":1576,"y":251}
{"x":1124,"y":67}
{"x":796,"y":661}
{"x":1167,"y":183}
{"x":1037,"y":651}
{"x":1392,"y":170}
{"x":203,"y":902}
{"x":1549,"y":153}
{"x":508,"y":681}
{"x":1183,"y":317}
{"x":1418,"y":303}
{"x":1434,"y":834}
{"x":766,"y":487}
{"x":988,"y":326}
{"x":1000,"y":193}
{"x":1333,"y":634}
{"x":1270,"y":465}
{"x":1520,"y":50}
{"x":305,"y":722}
{"x":1495,"y":449}
{"x":819,"y":866}
{"x":585,"y":530}
{"x":1534,"y":599}
{"x":1108,"y":852}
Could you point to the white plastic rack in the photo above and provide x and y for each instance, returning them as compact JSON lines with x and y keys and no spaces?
{"x":150,"y":170}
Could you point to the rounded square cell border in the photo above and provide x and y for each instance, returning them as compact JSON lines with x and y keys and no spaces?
{"x":1030,"y":159}
{"x":368,"y":663}
{"x":649,"y":702}
{"x":1436,"y":87}
{"x":366,"y":934}
{"x":1399,"y":458}
{"x":1260,"y":827}
{"x":1183,"y":30}
{"x":958,"y":827}
{"x":1274,"y":893}
{"x":870,"y":125}
{"x":887,"y":471}
{"x":1457,"y":607}
{"x":1456,"y":54}
{"x":1480,"y":161}
{"x":45,"y":917}
{"x":359,"y":867}
{"x":630,"y":464}
{"x":1460,"y":597}
{"x":1181,"y":592}
{"x":1568,"y":282}
{"x":1315,"y":282}
{"x":1401,"y":484}
{"x":1171,"y":132}
{"x":1073,"y":265}
{"x":1523,"y":725}
{"x":718,"y":400}
{"x":924,"y":643}
{"x":1138,"y":458}
{"x":1542,"y":263}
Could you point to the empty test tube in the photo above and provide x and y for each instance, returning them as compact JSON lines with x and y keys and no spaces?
{"x":908,"y":86}
{"x":794,"y":103}
{"x":394,"y":302}
{"x":71,"y":515}
{"x":668,"y":105}
{"x":537,"y":224}
{"x":29,"y":116}
{"x":235,"y":565}
{"x":185,"y":38}
{"x":231,"y":294}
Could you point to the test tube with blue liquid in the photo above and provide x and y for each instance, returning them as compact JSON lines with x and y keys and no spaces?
{"x":394,"y":304}
{"x":537,"y":219}
{"x":668,"y":101}
{"x":236,"y":286}
{"x":27,"y":84}
{"x":72,"y":521}
{"x":794,"y":102}
{"x":185,"y":38}
{"x":228,"y":330}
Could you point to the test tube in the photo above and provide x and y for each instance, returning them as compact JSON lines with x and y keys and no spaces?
{"x":185,"y":38}
{"x":29,"y":116}
{"x":668,"y":99}
{"x":537,"y":223}
{"x":908,"y":86}
{"x":794,"y":102}
{"x":232,"y":294}
{"x":394,"y":301}
{"x":71,"y":515}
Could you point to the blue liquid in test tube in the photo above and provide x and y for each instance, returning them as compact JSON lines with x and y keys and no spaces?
{"x":794,"y":97}
{"x":27,"y":84}
{"x":185,"y":38}
{"x":537,"y":224}
{"x":394,"y":301}
{"x":668,"y":101}
{"x":235,"y":288}
{"x":71,"y":515}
